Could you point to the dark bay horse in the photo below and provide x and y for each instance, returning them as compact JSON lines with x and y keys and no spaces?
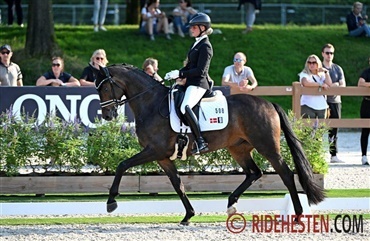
{"x":253,"y":123}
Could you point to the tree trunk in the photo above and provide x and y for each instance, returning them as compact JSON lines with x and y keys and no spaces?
{"x":132,"y":11}
{"x":40,"y":39}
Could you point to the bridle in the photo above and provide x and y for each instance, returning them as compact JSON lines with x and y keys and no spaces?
{"x":115,"y":101}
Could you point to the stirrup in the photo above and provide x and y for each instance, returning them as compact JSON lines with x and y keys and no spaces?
{"x":199,"y":149}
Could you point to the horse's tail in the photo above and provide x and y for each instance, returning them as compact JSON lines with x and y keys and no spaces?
{"x":314,"y":192}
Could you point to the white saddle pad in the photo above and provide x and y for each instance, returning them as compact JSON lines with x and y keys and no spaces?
{"x":213,"y":114}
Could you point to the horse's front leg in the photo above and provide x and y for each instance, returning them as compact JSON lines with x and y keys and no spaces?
{"x":170,"y":169}
{"x":147,"y":155}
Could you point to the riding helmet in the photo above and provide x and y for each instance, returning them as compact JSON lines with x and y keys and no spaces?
{"x":200,"y":19}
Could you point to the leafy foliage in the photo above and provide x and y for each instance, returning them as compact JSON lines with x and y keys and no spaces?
{"x":60,"y":146}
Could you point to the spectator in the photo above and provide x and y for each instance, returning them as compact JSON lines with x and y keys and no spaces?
{"x":10,"y":73}
{"x":356,"y":24}
{"x":194,"y":76}
{"x":150,"y":66}
{"x":237,"y":76}
{"x":154,"y":20}
{"x":337,"y":78}
{"x":251,"y":8}
{"x":364,"y":81}
{"x":314,"y":75}
{"x":56,"y":77}
{"x":182,"y":15}
{"x":98,"y":58}
{"x":100,"y":11}
{"x":18,"y":10}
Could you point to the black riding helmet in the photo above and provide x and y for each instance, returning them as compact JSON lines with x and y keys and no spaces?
{"x":201,"y":19}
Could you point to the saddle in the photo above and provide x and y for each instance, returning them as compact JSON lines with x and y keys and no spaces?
{"x":212,"y":111}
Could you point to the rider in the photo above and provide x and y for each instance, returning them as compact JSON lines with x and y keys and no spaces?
{"x":194,"y":76}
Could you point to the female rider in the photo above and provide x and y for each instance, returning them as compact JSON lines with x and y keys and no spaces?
{"x":194,"y":76}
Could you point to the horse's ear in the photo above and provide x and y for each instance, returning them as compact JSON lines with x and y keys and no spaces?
{"x":94,"y":70}
{"x":104,"y":71}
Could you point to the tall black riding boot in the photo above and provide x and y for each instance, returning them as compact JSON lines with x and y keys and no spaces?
{"x":201,"y":145}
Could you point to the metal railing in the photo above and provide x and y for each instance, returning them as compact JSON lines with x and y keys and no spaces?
{"x":81,"y":14}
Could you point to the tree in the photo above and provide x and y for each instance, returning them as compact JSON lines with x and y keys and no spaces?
{"x":133,"y":11}
{"x":40,"y":39}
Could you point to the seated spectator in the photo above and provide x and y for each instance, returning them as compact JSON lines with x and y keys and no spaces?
{"x":237,"y":76}
{"x":98,"y":58}
{"x":182,"y":15}
{"x":314,"y":75}
{"x":154,"y":20}
{"x":356,"y":22}
{"x":56,"y":77}
{"x":10,"y":73}
{"x":150,"y":66}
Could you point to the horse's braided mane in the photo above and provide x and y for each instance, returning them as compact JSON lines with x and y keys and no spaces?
{"x":130,"y":67}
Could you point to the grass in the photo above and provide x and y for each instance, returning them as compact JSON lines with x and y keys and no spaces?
{"x":130,"y":219}
{"x":275,"y":53}
{"x":169,"y":196}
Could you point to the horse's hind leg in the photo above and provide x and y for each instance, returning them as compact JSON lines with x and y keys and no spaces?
{"x":287,"y":176}
{"x":242,"y":155}
{"x":170,"y":169}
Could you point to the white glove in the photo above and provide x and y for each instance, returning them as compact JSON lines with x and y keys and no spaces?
{"x":173,"y":74}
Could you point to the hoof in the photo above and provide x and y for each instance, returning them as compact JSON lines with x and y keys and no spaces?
{"x":231,"y":210}
{"x":184,"y":223}
{"x":111,"y":207}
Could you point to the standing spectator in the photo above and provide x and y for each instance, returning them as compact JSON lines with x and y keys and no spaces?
{"x":182,"y":15}
{"x":56,"y":77}
{"x":154,"y":20}
{"x":150,"y":66}
{"x":314,"y":75}
{"x":356,"y":24}
{"x":251,"y":8}
{"x":237,"y":76}
{"x":18,"y":10}
{"x":364,"y":81}
{"x":98,"y":58}
{"x":334,"y":102}
{"x":100,"y":11}
{"x":10,"y":73}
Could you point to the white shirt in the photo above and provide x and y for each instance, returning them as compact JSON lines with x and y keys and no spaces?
{"x":316,"y":102}
{"x":197,"y":40}
{"x":144,"y":11}
{"x":234,"y":77}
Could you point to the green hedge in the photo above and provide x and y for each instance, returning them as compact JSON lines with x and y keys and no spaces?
{"x":59,"y":147}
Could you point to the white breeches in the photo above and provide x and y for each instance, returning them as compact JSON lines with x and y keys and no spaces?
{"x":192,"y":96}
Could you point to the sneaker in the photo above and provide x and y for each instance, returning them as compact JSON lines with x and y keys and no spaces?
{"x":21,"y":25}
{"x":152,"y":38}
{"x":335,"y":159}
{"x":96,"y":29}
{"x":364,"y":160}
{"x":102,"y":28}
{"x":168,"y":37}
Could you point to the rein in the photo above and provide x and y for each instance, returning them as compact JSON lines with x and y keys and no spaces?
{"x":114,"y":100}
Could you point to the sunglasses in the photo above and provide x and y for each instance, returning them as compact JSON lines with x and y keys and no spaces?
{"x":5,"y":53}
{"x":237,"y":60}
{"x":55,"y":65}
{"x":98,"y":58}
{"x":329,"y":53}
{"x":309,"y":62}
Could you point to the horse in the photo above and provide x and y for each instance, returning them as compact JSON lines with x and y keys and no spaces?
{"x":254,"y":123}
